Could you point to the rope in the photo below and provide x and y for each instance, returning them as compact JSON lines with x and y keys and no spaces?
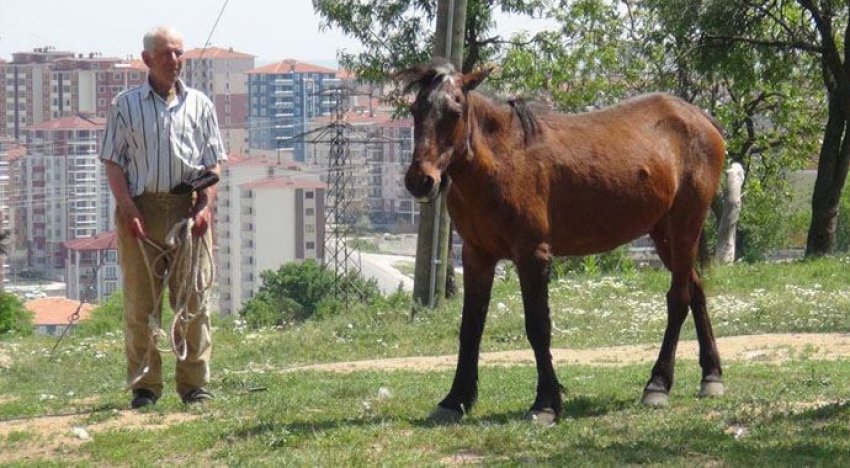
{"x":181,"y":255}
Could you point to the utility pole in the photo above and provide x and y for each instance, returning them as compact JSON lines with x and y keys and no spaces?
{"x":429,"y":283}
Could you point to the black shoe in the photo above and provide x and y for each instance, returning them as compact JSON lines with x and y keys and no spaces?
{"x":196,"y":395}
{"x":142,"y":397}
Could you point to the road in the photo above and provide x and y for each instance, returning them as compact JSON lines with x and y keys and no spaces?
{"x":380,"y":267}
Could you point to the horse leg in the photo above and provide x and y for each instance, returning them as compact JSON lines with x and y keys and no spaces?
{"x":709,"y":358}
{"x":478,"y":272}
{"x":534,"y":276}
{"x":680,"y":264}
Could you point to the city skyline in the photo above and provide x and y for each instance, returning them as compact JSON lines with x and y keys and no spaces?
{"x":271,"y":31}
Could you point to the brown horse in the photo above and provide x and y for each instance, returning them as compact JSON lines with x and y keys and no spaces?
{"x":528,"y":187}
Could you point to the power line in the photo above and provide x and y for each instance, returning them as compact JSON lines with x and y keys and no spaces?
{"x":207,"y":42}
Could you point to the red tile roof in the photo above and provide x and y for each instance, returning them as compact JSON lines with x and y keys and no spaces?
{"x":262,"y":161}
{"x":284,"y":183}
{"x":105,"y":241}
{"x":290,"y":66}
{"x":358,"y":118}
{"x":215,"y":53}
{"x":75,"y":122}
{"x":14,"y":151}
{"x":136,"y":65}
{"x":56,"y":310}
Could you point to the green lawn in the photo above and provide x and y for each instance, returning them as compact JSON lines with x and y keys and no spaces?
{"x":791,"y":414}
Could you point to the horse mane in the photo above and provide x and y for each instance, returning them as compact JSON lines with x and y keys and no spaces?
{"x":423,"y":75}
{"x":527,"y":119}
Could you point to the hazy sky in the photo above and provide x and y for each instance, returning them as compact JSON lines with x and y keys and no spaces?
{"x":270,"y":29}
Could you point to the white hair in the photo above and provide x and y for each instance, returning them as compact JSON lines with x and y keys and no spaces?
{"x":159,"y":31}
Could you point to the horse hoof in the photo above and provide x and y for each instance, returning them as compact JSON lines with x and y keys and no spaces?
{"x":710,"y":389}
{"x":444,"y":416}
{"x":545,"y":417}
{"x":654,"y":399}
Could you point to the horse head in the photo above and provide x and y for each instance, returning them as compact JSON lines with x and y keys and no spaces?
{"x":440,"y":123}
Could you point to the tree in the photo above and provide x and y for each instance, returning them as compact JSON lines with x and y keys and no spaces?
{"x":298,"y":291}
{"x":14,"y":317}
{"x":397,"y":34}
{"x":606,"y":50}
{"x":811,"y":28}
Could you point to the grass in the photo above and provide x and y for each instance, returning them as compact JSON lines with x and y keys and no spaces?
{"x":790,"y":414}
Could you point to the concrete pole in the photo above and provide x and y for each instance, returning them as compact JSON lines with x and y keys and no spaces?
{"x":429,"y":285}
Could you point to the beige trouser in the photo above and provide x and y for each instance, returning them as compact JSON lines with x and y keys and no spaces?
{"x":160,"y":211}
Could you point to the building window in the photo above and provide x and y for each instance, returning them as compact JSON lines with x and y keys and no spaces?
{"x":309,"y":212}
{"x":309,"y":228}
{"x":311,"y":245}
{"x":308,"y":195}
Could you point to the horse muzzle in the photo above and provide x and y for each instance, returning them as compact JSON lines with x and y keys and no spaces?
{"x":425,"y":186}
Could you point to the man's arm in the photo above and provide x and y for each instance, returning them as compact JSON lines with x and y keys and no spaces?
{"x":128,"y":212}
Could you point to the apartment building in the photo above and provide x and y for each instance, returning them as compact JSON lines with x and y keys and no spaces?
{"x":378,"y":155}
{"x":222,"y":75}
{"x":268,"y":213}
{"x":46,"y":84}
{"x":283,"y":98}
{"x":10,"y":157}
{"x":64,"y":194}
{"x":92,"y":273}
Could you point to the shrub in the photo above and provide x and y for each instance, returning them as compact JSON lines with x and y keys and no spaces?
{"x":106,"y":317}
{"x":298,"y":291}
{"x":615,"y":261}
{"x":15,"y":319}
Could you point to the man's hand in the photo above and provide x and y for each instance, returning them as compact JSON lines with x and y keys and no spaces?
{"x":201,"y":214}
{"x":133,"y":220}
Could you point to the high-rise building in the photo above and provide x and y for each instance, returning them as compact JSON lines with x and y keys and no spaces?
{"x":47,"y":84}
{"x":283,"y":98}
{"x":268,"y":213}
{"x":64,"y":191}
{"x":221,"y":74}
{"x":10,"y":157}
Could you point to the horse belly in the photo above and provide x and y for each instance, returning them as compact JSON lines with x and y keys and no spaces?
{"x":594,"y":218}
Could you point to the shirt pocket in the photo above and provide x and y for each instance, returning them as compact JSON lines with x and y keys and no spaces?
{"x":185,"y":135}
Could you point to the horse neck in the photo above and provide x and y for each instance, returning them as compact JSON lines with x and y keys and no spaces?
{"x":479,"y":158}
{"x":488,"y":132}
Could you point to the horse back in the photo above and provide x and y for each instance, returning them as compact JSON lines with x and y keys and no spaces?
{"x":589,"y":182}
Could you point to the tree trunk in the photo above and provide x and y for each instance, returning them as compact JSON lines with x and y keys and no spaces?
{"x":832,"y":172}
{"x":728,"y":225}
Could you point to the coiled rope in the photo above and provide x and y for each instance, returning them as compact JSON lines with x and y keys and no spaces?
{"x":182,"y":255}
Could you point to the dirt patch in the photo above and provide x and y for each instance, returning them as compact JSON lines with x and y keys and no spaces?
{"x":775,"y":348}
{"x":464,"y":457}
{"x":5,"y":359}
{"x":44,"y":438}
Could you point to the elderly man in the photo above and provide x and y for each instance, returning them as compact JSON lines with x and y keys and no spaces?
{"x":159,"y":136}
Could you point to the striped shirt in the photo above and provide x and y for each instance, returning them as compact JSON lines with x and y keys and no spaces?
{"x":161,"y":144}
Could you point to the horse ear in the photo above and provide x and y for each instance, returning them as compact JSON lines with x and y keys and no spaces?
{"x":473,"y":79}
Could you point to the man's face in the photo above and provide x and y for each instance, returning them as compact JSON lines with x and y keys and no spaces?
{"x":165,"y":61}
